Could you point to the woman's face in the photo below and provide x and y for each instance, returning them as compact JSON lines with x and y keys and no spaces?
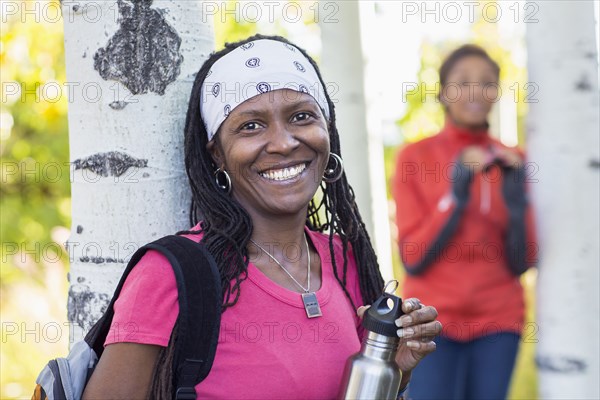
{"x":470,"y":91}
{"x":275,"y":148}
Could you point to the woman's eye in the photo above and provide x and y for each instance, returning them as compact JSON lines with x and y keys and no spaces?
{"x":250,"y":126}
{"x":301,"y":116}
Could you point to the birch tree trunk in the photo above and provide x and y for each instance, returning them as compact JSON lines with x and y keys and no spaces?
{"x":342,"y":64}
{"x":563,"y":144}
{"x":130,"y":67}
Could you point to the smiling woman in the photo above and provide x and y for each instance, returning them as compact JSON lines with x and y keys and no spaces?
{"x":260,"y":140}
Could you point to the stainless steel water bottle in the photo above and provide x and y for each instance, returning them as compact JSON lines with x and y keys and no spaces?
{"x":373,"y":373}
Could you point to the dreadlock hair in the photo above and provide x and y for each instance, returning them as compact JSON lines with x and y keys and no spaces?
{"x":227,"y":227}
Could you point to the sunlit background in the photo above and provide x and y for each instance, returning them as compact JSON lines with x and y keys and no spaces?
{"x":35,"y":208}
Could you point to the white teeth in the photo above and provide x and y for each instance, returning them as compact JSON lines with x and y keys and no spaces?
{"x":284,"y":174}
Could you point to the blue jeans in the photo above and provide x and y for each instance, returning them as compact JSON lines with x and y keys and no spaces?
{"x":479,"y":369}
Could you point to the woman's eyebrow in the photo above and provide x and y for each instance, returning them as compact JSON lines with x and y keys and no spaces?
{"x":250,"y":113}
{"x":299,"y":104}
{"x":287,"y":108}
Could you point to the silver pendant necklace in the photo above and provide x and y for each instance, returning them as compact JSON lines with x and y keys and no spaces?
{"x":311,"y":304}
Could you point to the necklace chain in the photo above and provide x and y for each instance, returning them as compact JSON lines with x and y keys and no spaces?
{"x":307,"y":289}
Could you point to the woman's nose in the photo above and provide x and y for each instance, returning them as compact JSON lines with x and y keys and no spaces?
{"x":281,"y":139}
{"x":484,"y":91}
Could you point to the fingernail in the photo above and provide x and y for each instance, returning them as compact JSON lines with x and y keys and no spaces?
{"x":403,"y":321}
{"x":412,"y":345}
{"x":405,"y":332}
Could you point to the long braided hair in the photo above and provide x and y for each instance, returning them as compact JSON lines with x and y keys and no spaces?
{"x":227,"y":227}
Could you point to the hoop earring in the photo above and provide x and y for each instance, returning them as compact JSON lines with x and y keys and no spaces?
{"x":333,"y":174}
{"x":220,"y":176}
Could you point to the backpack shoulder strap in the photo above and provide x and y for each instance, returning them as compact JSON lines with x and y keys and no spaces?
{"x":199,"y":288}
{"x":199,"y":295}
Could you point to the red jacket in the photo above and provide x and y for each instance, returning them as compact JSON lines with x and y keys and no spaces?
{"x":464,"y":238}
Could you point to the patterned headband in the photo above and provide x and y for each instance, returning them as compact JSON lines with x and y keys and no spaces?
{"x":254,"y":68}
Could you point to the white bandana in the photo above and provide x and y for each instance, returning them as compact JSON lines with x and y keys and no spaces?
{"x":254,"y":68}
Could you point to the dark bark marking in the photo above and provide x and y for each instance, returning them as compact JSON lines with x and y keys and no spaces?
{"x":144,"y":52}
{"x":561,"y":364}
{"x":595,"y":163}
{"x":583,"y":84}
{"x":81,"y":303}
{"x":112,"y":163}
{"x":79,"y":228}
{"x":118,"y":105}
{"x":100,"y":260}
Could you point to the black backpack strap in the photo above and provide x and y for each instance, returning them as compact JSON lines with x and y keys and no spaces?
{"x":199,"y":287}
{"x":199,"y":293}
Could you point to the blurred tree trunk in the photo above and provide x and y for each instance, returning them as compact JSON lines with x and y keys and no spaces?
{"x":130,"y":67}
{"x":563,"y":144}
{"x":342,"y":64}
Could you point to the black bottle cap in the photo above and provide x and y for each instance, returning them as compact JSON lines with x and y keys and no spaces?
{"x":382,"y":315}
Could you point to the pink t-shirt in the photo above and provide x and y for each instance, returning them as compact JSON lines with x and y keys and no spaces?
{"x":267,"y":348}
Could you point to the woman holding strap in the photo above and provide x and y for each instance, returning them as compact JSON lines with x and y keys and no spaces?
{"x":466,"y":234}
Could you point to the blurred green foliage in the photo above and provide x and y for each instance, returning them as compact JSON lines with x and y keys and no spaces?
{"x":34,"y":142}
{"x":34,"y":199}
{"x":229,"y":29}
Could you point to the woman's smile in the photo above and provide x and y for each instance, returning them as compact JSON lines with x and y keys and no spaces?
{"x":286,"y":174}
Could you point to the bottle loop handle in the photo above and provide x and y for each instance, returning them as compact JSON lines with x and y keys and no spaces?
{"x":390,"y":282}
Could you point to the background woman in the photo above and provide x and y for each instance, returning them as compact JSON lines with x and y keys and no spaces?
{"x":260,"y":139}
{"x":466,"y":234}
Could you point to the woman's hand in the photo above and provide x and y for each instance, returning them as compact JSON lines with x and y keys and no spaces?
{"x":479,"y":158}
{"x":476,"y":157}
{"x":509,"y":157}
{"x":416,"y":330}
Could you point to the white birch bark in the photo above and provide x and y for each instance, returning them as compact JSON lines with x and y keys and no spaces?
{"x":131,"y":66}
{"x":342,"y":65}
{"x":563,"y":143}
